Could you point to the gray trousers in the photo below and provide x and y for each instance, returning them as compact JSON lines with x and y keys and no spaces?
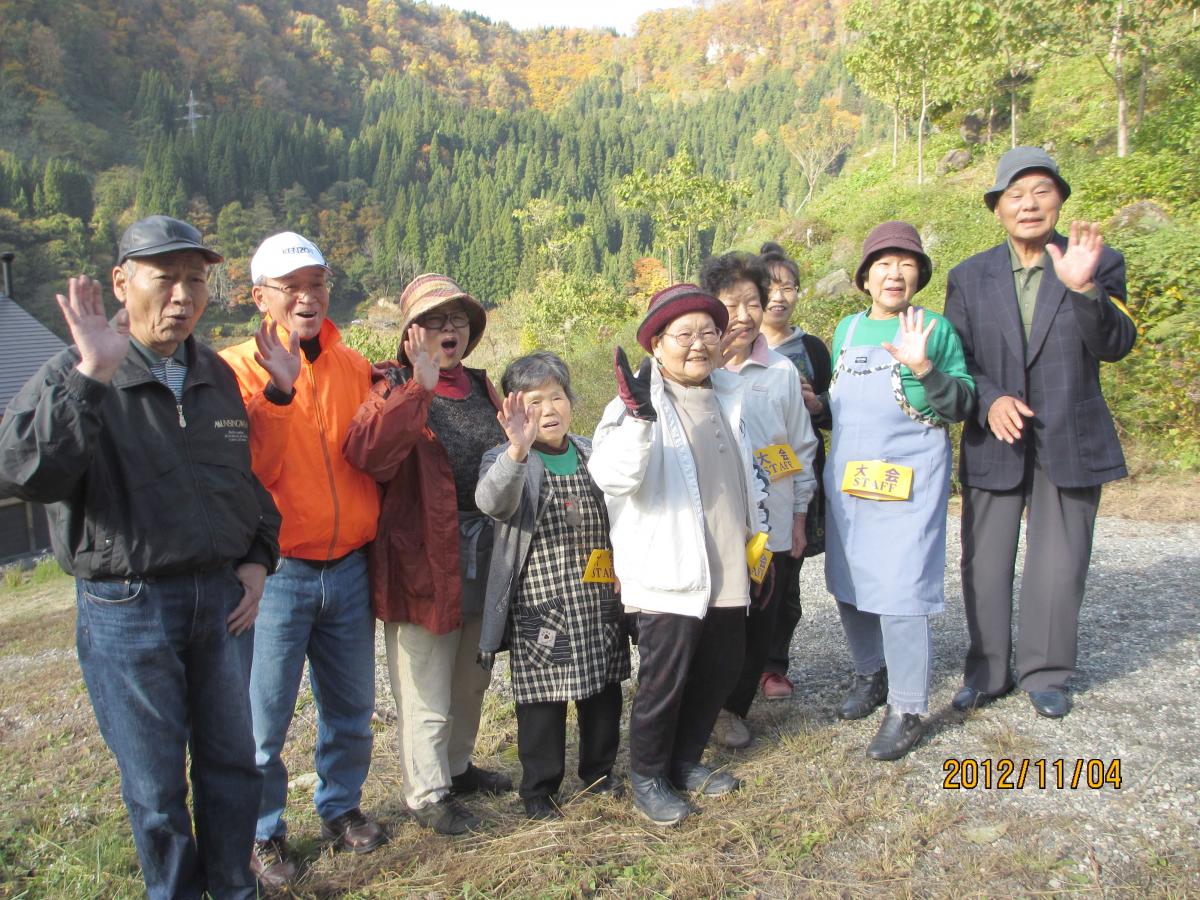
{"x":900,"y":642}
{"x":1058,"y":548}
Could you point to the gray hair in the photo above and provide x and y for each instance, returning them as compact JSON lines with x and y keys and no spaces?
{"x":535,"y":369}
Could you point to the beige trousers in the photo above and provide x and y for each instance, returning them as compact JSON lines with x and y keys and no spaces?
{"x":438,"y":688}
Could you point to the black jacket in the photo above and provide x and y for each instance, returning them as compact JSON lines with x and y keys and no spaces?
{"x":133,"y":490}
{"x":1057,"y":375}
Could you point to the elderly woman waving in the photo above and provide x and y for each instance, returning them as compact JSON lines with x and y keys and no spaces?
{"x":421,"y":433}
{"x":899,"y":378}
{"x":671,"y":455}
{"x":551,"y":588}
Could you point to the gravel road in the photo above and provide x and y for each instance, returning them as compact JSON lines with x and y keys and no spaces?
{"x":1136,"y":699}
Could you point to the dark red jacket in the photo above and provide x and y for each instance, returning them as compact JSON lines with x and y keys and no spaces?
{"x":414,"y":558}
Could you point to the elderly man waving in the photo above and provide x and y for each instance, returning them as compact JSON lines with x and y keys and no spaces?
{"x":137,"y":438}
{"x":302,"y":386}
{"x":1037,"y":315}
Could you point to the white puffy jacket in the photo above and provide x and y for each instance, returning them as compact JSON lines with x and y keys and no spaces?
{"x":649,"y":481}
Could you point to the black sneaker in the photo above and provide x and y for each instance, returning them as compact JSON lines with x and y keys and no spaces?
{"x":654,"y":799}
{"x":482,"y":780}
{"x":610,"y":785}
{"x":898,"y":733}
{"x":696,"y":778}
{"x":867,"y":693}
{"x":447,"y":816}
{"x":541,"y":808}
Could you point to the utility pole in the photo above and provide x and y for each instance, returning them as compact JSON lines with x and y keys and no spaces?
{"x":192,"y":116}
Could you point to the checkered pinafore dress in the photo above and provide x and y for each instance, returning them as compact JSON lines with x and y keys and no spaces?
{"x":567,"y":642}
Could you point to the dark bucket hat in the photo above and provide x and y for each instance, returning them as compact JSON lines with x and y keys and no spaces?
{"x":678,"y":300}
{"x":893,"y":236}
{"x":1015,"y":163}
{"x":162,"y":234}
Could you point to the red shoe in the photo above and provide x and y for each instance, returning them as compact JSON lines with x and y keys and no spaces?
{"x":775,"y":686}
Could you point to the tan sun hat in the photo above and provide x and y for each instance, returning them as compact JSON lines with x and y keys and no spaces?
{"x":427,"y":292}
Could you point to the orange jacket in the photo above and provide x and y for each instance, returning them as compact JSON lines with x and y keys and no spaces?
{"x":329,"y":507}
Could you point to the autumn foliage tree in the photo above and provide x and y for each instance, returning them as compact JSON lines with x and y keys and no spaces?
{"x":681,"y":203}
{"x":816,"y":140}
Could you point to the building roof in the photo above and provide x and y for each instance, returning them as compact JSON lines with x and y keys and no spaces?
{"x":25,"y":343}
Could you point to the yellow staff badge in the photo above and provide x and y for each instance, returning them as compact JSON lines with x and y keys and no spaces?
{"x":599,"y":569}
{"x":877,"y":479}
{"x":778,"y":461}
{"x":758,"y":557}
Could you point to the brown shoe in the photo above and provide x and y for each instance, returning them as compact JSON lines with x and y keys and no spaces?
{"x":353,"y":831}
{"x":270,"y":865}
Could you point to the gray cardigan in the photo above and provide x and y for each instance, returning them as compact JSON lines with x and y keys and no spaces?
{"x":511,"y":493}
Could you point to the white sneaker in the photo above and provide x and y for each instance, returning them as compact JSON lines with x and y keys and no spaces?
{"x":731,"y":731}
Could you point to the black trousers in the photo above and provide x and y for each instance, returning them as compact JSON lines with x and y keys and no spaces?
{"x":688,"y":667}
{"x":761,"y":630}
{"x":542,"y":740}
{"x":787,"y":614}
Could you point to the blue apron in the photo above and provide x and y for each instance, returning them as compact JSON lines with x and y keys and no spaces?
{"x":886,"y":557}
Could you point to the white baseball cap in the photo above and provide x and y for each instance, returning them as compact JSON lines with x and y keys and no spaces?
{"x":284,"y":253}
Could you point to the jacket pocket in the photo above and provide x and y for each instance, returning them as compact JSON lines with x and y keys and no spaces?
{"x":1099,"y":446}
{"x":542,"y":630}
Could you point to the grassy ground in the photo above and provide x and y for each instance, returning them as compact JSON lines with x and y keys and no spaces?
{"x":812,"y":819}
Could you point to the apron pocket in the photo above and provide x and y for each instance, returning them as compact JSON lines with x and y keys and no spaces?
{"x":543,"y":633}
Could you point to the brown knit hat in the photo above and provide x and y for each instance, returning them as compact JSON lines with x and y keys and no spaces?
{"x":427,"y":292}
{"x":678,"y":300}
{"x":893,"y":236}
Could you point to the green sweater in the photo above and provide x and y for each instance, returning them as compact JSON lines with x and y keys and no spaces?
{"x":948,"y":391}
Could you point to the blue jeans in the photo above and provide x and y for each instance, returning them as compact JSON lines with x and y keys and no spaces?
{"x":165,"y":676}
{"x":324,"y":614}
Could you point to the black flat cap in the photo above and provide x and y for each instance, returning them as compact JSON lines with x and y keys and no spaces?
{"x":161,"y":234}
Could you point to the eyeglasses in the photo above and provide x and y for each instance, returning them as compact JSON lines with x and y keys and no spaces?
{"x":436,"y":321}
{"x":295,"y":290}
{"x":710,"y":337}
{"x":784,"y":290}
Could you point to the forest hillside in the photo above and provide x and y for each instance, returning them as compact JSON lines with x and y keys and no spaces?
{"x":562,"y":175}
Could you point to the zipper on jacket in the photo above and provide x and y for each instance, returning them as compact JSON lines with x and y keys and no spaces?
{"x":321,"y":431}
{"x":187,"y":452}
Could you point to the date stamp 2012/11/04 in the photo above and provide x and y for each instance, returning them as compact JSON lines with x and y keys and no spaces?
{"x":1007,"y":774}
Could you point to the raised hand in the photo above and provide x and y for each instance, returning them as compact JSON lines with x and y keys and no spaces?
{"x":102,"y":343}
{"x":1077,"y":266}
{"x":725,"y":347}
{"x":281,"y":361}
{"x":520,"y":425}
{"x":425,"y":367}
{"x":634,"y":391}
{"x":911,"y":341}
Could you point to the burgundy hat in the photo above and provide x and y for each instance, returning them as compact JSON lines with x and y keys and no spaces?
{"x":893,"y":236}
{"x":678,"y":300}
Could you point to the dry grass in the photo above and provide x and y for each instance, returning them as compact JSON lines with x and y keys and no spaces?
{"x":813,"y":817}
